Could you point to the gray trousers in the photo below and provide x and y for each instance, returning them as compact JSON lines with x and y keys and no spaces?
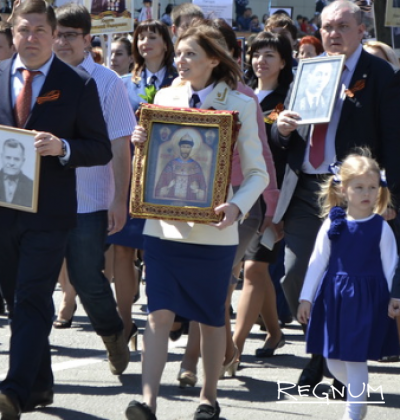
{"x":301,"y":223}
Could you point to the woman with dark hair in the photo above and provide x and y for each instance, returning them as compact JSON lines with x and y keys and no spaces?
{"x":153,"y":54}
{"x":166,"y":17}
{"x":309,"y":47}
{"x":121,"y":59}
{"x":177,"y":254}
{"x":270,"y":76}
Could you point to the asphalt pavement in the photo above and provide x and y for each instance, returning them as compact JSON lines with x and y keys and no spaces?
{"x":263,"y":388}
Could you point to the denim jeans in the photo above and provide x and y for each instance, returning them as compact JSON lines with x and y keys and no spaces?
{"x":85,"y":263}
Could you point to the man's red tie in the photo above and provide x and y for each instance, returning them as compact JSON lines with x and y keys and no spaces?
{"x":24,"y":99}
{"x":317,"y":145}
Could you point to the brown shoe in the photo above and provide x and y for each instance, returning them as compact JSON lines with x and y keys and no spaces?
{"x":10,"y":408}
{"x":117,"y":352}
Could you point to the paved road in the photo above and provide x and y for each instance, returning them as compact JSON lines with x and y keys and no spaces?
{"x":86,"y":390}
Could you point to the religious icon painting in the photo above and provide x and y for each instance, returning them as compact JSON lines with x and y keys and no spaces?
{"x":182,"y":172}
{"x":19,"y":170}
{"x":315,"y":88}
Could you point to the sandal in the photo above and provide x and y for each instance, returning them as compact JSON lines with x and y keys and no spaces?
{"x":186,"y":378}
{"x":61,"y":323}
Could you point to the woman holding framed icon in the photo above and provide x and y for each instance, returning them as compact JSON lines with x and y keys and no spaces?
{"x":177,"y":254}
{"x":270,"y":77}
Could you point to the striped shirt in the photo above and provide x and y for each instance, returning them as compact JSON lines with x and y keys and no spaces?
{"x":95,"y":185}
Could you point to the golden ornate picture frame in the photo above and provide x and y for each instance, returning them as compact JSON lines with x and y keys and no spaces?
{"x":19,"y":169}
{"x":182,"y":172}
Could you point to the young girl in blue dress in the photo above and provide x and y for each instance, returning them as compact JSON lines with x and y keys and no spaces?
{"x":346,"y":291}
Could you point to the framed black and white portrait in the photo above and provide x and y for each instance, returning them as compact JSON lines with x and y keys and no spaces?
{"x":19,"y":170}
{"x":315,"y":88}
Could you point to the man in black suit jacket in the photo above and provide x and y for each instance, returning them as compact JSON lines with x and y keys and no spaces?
{"x":365,"y":115}
{"x":15,"y":186}
{"x":71,"y":132}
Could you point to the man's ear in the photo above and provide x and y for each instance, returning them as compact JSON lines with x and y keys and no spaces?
{"x":87,"y":39}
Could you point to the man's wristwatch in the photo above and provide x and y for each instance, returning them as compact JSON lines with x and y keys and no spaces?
{"x":63,"y":149}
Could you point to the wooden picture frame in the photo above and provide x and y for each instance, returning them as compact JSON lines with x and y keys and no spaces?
{"x":182,"y":172}
{"x":19,"y":171}
{"x":315,"y":88}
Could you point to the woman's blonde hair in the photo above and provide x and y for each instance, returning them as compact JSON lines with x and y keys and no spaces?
{"x":354,"y":165}
{"x":213,"y":43}
{"x":386,"y":50}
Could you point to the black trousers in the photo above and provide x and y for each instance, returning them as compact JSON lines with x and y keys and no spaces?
{"x":30,"y":262}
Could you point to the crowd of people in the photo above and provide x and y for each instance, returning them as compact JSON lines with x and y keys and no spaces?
{"x":328,"y":193}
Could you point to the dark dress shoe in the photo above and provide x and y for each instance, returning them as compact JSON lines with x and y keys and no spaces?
{"x":175,"y":335}
{"x":10,"y":408}
{"x":312,"y":374}
{"x":39,"y":399}
{"x":207,"y":412}
{"x":340,"y":392}
{"x":2,"y":306}
{"x":269,"y":351}
{"x":139,"y":411}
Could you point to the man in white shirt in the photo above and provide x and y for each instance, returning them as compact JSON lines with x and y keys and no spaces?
{"x":102,"y":191}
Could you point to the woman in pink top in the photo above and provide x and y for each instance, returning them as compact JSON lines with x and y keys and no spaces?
{"x":254,"y":222}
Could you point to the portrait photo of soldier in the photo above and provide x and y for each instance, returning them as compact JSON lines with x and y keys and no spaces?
{"x":15,"y":187}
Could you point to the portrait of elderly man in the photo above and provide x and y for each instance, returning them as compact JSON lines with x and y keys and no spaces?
{"x":15,"y":186}
{"x":182,"y":178}
{"x":314,"y":102}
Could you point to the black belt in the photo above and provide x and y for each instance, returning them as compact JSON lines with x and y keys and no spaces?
{"x":315,"y":177}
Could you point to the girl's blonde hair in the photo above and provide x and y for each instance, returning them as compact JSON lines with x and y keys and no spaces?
{"x":354,"y":165}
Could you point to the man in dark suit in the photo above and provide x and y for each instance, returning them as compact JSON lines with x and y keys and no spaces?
{"x":364,"y":115}
{"x":65,"y":112}
{"x":15,"y":186}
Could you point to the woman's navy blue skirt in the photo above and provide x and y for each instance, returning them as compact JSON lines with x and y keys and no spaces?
{"x":188,"y":279}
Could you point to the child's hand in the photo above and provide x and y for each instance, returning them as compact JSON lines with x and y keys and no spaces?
{"x":303,"y":313}
{"x":394,"y":308}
